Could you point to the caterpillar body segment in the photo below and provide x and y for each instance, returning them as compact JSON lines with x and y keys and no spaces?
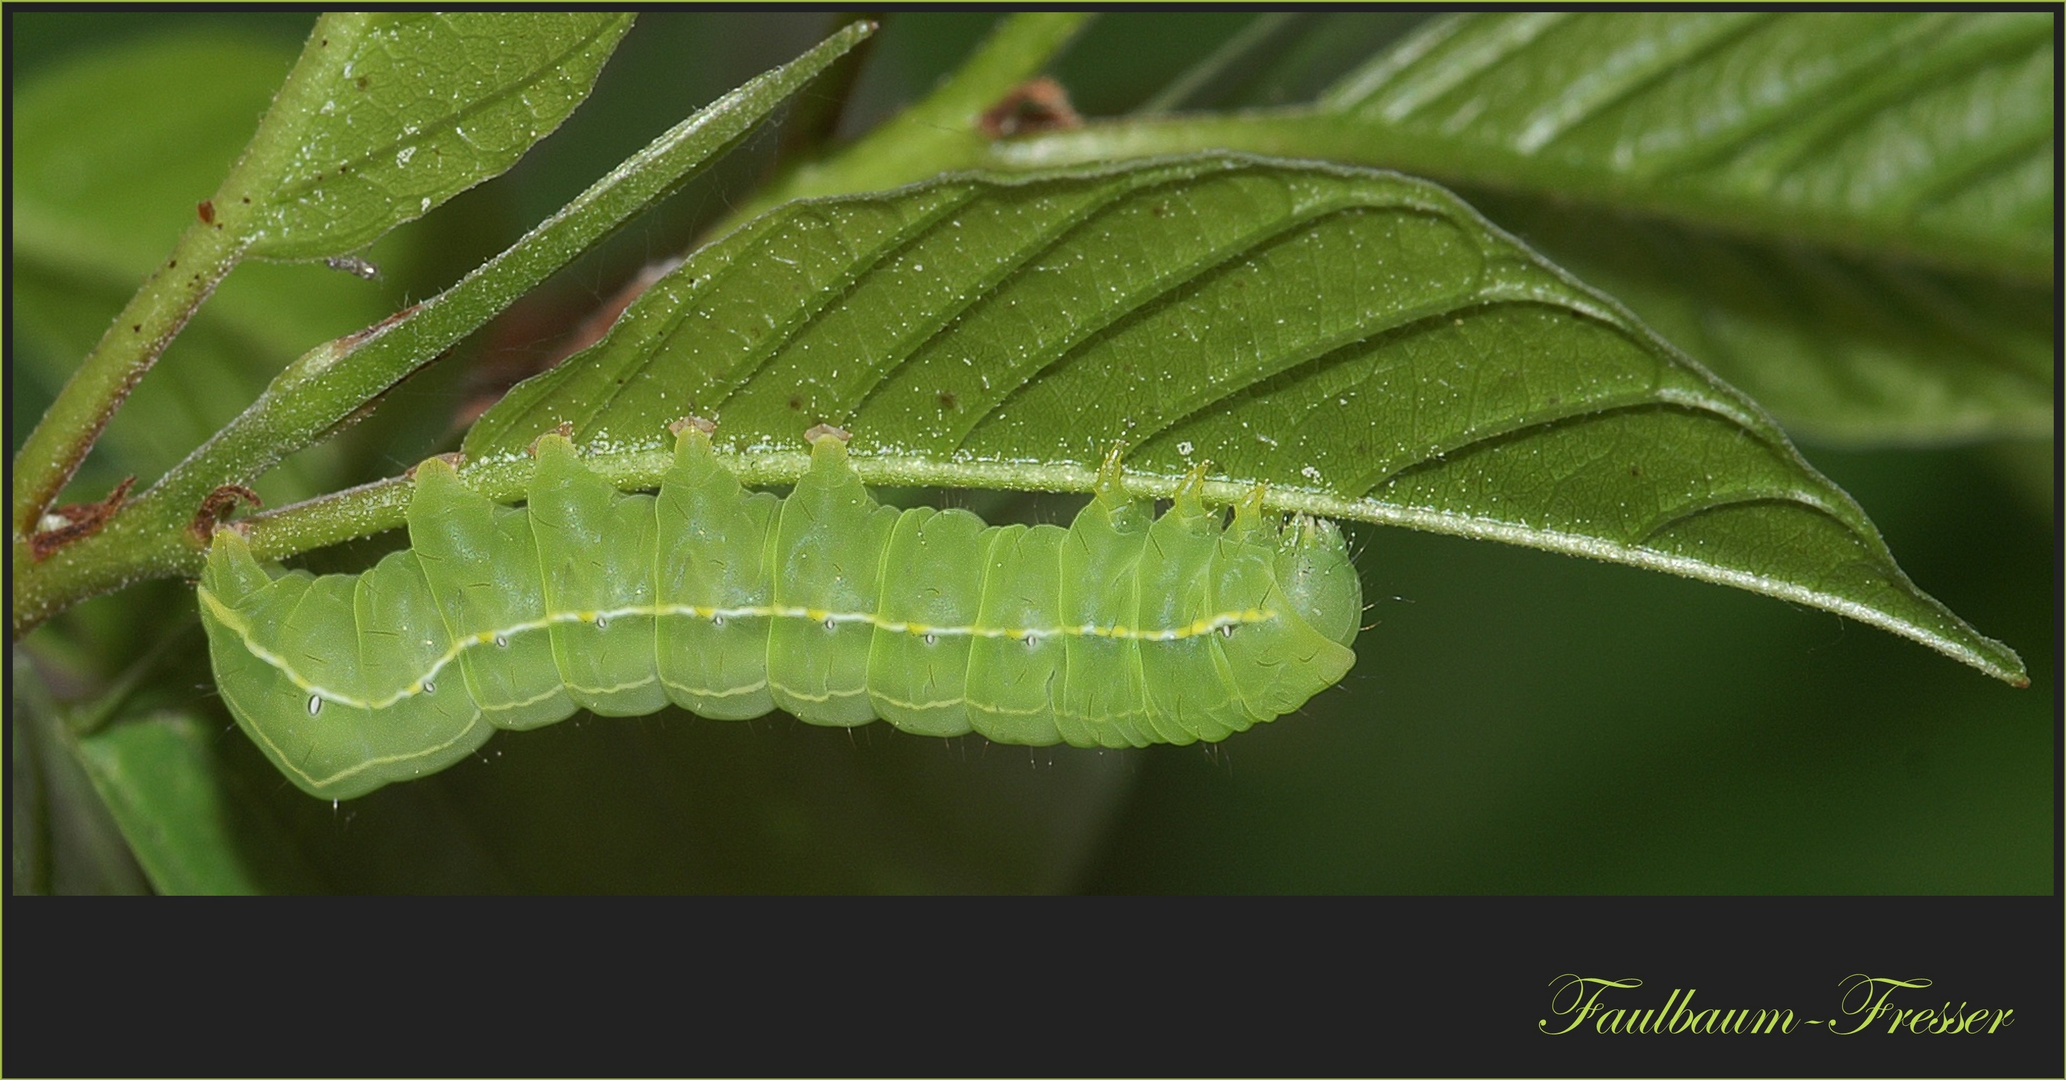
{"x":1121,"y":630}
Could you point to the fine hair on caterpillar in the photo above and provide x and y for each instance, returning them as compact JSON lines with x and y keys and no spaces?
{"x":1122,"y":629}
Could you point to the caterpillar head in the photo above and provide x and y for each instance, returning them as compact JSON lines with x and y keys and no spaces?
{"x":1318,"y":578}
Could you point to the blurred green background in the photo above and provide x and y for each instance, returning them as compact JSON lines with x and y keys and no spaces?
{"x":1517,"y":722}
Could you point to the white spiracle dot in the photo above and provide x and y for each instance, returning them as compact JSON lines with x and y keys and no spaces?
{"x":429,"y":687}
{"x":717,"y":620}
{"x":1227,"y":630}
{"x":1031,"y":641}
{"x":831,"y":625}
{"x":315,"y":704}
{"x":602,"y":622}
{"x":501,"y":641}
{"x":931,"y":639}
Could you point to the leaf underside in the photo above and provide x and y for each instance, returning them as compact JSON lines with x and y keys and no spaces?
{"x":1363,"y":343}
{"x":1846,"y":214}
{"x":1929,"y":131}
{"x":1841,"y":350}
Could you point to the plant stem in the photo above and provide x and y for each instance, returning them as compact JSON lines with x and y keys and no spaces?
{"x":940,"y":132}
{"x":54,"y":449}
{"x":321,"y":391}
{"x":205,"y":254}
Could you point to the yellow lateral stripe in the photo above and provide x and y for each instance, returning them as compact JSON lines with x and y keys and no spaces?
{"x":1196,"y":628}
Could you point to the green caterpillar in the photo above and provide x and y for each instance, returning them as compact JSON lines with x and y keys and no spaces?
{"x":1121,"y":630}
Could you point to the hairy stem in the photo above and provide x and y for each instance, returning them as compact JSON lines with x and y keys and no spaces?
{"x":321,"y":390}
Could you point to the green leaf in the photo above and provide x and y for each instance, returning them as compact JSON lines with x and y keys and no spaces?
{"x":331,"y":168}
{"x":64,"y":839}
{"x":389,"y":114}
{"x":189,"y":828}
{"x":1924,"y":135}
{"x":1920,"y":141}
{"x":131,"y":752}
{"x":1525,"y":725}
{"x":1361,"y":342}
{"x":1890,"y":172}
{"x":1502,"y":686}
{"x":327,"y":384}
{"x":320,"y":391}
{"x":1840,"y":349}
{"x":110,"y":151}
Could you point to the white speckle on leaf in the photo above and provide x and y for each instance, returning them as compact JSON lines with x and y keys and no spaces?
{"x":403,"y":155}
